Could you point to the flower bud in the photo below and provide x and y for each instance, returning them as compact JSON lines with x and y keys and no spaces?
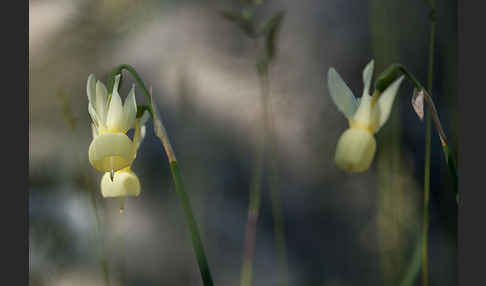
{"x":125,"y":183}
{"x":111,"y":151}
{"x":355,"y":150}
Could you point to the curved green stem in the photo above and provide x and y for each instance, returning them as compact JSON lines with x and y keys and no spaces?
{"x":392,"y":73}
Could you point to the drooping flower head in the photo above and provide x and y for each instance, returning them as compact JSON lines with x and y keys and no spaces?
{"x":356,"y":146}
{"x":111,"y":149}
{"x":125,"y":182}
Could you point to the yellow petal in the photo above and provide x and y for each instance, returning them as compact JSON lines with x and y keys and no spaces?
{"x":362,"y":117}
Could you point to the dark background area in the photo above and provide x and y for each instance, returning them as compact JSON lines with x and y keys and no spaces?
{"x":341,"y":229}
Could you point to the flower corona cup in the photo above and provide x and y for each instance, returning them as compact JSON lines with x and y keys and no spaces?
{"x":125,"y":183}
{"x":356,"y":147}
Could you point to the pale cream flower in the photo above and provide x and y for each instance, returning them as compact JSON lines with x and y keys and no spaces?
{"x":125,"y":181}
{"x":356,"y":146}
{"x":111,"y":149}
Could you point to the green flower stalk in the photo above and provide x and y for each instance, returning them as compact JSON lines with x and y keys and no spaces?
{"x":356,"y":147}
{"x":420,"y":96}
{"x":71,"y":119}
{"x":268,"y":31}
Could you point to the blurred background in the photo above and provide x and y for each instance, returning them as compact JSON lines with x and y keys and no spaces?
{"x":340,"y":229}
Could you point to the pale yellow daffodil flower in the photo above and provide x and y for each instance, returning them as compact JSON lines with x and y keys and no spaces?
{"x":111,"y":149}
{"x":125,"y":182}
{"x":357,"y":146}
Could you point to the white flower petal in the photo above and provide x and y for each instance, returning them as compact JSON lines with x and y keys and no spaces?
{"x":91,"y":89}
{"x":143,"y":131}
{"x":367,"y":75}
{"x":144,"y":118}
{"x":94,"y":131}
{"x":101,"y":98}
{"x":117,"y":82}
{"x":114,"y":118}
{"x":140,"y":130}
{"x":341,"y":94}
{"x":384,"y":103}
{"x":139,"y":135}
{"x":94,"y":115}
{"x":130,"y":110}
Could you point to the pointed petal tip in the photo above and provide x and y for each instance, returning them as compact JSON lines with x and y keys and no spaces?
{"x":402,"y":77}
{"x":117,"y":82}
{"x":332,"y":75}
{"x":114,"y":117}
{"x":91,"y":87}
{"x":101,"y":86}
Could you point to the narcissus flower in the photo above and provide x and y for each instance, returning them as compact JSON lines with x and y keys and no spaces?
{"x":111,"y":149}
{"x":125,"y":181}
{"x":366,"y":115}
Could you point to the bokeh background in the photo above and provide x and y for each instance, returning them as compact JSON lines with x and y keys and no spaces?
{"x":340,"y":229}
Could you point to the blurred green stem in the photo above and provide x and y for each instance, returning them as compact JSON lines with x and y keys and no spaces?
{"x":255,"y":191}
{"x":121,"y":250}
{"x":251,"y":224}
{"x":268,"y":148}
{"x":430,"y":79}
{"x":103,"y":259}
{"x":414,"y":267}
{"x":71,"y":120}
{"x":277,"y":213}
